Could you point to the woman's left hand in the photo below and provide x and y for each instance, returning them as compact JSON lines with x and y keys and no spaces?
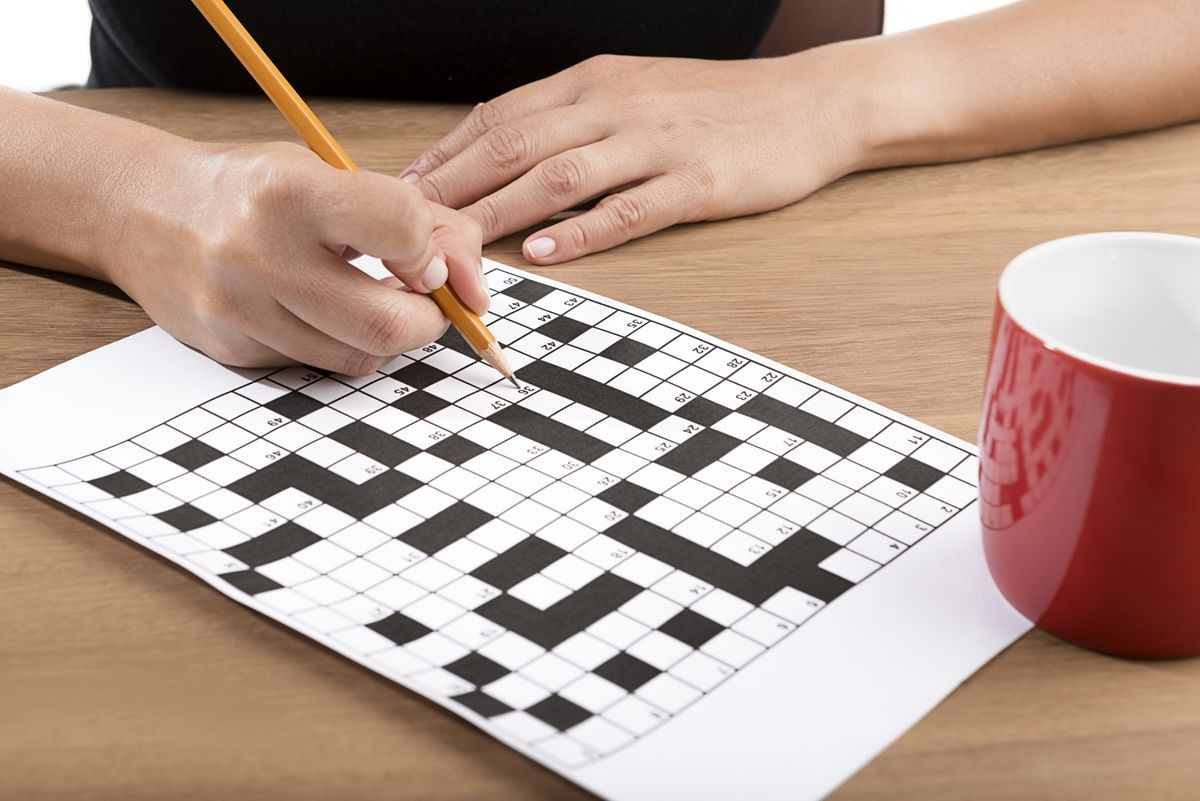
{"x":662,"y":140}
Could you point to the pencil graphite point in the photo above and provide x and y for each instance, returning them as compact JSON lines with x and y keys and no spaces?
{"x":514,"y":381}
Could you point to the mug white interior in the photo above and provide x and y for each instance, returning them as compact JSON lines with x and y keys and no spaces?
{"x":1128,"y":302}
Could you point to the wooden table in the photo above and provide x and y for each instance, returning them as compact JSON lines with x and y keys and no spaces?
{"x":123,"y":677}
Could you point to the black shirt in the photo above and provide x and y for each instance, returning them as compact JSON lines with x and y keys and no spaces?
{"x":454,"y":50}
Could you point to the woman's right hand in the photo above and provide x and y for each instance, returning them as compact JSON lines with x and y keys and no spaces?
{"x":241,"y":251}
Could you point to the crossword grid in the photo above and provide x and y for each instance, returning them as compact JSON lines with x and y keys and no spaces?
{"x":576,"y":562}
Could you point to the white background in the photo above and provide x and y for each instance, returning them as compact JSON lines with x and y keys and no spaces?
{"x":44,"y":43}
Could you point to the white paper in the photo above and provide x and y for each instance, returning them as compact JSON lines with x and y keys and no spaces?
{"x":823,"y":695}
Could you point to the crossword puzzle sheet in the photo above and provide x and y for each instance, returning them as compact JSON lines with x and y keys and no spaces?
{"x":664,"y":567}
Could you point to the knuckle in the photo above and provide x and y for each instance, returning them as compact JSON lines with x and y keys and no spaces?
{"x":626,"y":213}
{"x":699,"y":177}
{"x":433,"y":186}
{"x":435,"y":156}
{"x":505,"y":146}
{"x":563,"y":176}
{"x":386,"y":330}
{"x":576,"y":237}
{"x":239,"y":352}
{"x":484,"y":118}
{"x":487,"y":215}
{"x":358,"y":363}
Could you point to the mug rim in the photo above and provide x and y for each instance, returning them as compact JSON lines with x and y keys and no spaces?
{"x":1055,"y":345}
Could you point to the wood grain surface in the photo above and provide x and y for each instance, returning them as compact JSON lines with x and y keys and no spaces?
{"x":123,"y":677}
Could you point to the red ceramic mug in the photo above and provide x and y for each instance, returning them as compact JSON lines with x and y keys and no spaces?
{"x":1090,"y":441}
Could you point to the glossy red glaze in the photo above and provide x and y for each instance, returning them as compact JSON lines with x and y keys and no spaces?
{"x":1090,"y":497}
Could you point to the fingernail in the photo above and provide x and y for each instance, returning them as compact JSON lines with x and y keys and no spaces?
{"x":541,"y":247}
{"x":435,"y":274}
{"x":411,"y":178}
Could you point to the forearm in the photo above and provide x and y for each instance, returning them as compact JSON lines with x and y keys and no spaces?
{"x":71,"y":179}
{"x":1037,"y":73}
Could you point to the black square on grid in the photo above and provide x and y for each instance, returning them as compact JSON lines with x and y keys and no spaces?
{"x":379,"y":445}
{"x":251,"y":582}
{"x":477,"y":669}
{"x":193,"y":454}
{"x":456,"y":449}
{"x":120,"y":484}
{"x":692,"y":628}
{"x":562,"y":329}
{"x":702,"y":411}
{"x":186,"y":517}
{"x":399,"y":628}
{"x":559,"y":712}
{"x":420,"y":404}
{"x":627,"y":496}
{"x":294,"y":405}
{"x":275,"y":544}
{"x":627,"y":351}
{"x":626,"y":671}
{"x":527,"y":291}
{"x":785,"y":473}
{"x":482,"y":704}
{"x":418,"y":375}
{"x":454,"y":341}
{"x":912,"y":473}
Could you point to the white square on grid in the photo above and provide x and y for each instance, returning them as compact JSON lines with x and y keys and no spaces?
{"x":389,"y":419}
{"x":812,"y":456}
{"x":836,"y":527}
{"x":701,"y":671}
{"x":603,"y":551}
{"x":357,"y":405}
{"x":497,"y":536}
{"x":763,"y":627}
{"x":790,"y":391}
{"x":793,"y":605}
{"x":449,"y":361}
{"x":469,"y":592}
{"x":877,"y":547}
{"x":490,"y":465}
{"x":650,"y":608}
{"x":758,"y":491}
{"x":324,"y":451}
{"x":512,"y":650}
{"x":516,"y":691}
{"x":738,"y":425}
{"x":394,"y":555}
{"x":433,"y":611}
{"x":285,"y":600}
{"x":653,"y":334}
{"x":534,"y":344}
{"x":571,"y":571}
{"x":292,"y":436}
{"x":360,"y":608}
{"x":564,"y":532}
{"x":594,"y":340}
{"x":229,"y":405}
{"x":590,"y":480}
{"x":437,"y":649}
{"x":682,"y":588}
{"x":664,"y":512}
{"x":721,"y":476}
{"x":287,"y":571}
{"x":729,"y":395}
{"x":648,"y":446}
{"x":875,"y":457}
{"x":545,"y":403}
{"x":667,"y":692}
{"x":161,"y":439}
{"x":363,"y":640}
{"x":472,"y":630}
{"x":395,"y":593}
{"x":324,"y":520}
{"x":721,"y":606}
{"x":599,"y":368}
{"x":775,"y":440}
{"x":189,"y":487}
{"x":597,"y":514}
{"x":221,"y":503}
{"x":826,"y":406}
{"x":181,"y":544}
{"x":426,"y":501}
{"x":324,"y":590}
{"x":642,"y":570}
{"x":701,"y":529}
{"x":217,"y":562}
{"x":741,"y":547}
{"x":494,"y":499}
{"x":756,"y":376}
{"x":955,"y":492}
{"x":589,"y":312}
{"x":520,"y":449}
{"x":695,"y":380}
{"x":262,"y":391}
{"x":464,"y":555}
{"x":422,"y":434}
{"x":617,"y":630}
{"x":325,"y":420}
{"x":592,"y":692}
{"x":392,"y":520}
{"x":925,"y":508}
{"x":656,"y":478}
{"x":823,"y":490}
{"x":358,"y":538}
{"x":863,"y":509}
{"x":289,"y":502}
{"x":634,"y":382}
{"x":560,"y":497}
{"x":863,"y":422}
{"x":359,"y":574}
{"x":731,"y":510}
{"x":578,"y":416}
{"x":324,"y":620}
{"x":941,"y":455}
{"x":326,"y":390}
{"x":619,"y":463}
{"x":668,"y":396}
{"x":635,"y":715}
{"x":850,"y":474}
{"x":621,"y":323}
{"x":323,"y":556}
{"x":567,"y":357}
{"x":458,"y":481}
{"x":151,"y":501}
{"x":295,"y":377}
{"x":749,"y":458}
{"x":507,"y":331}
{"x":770,"y":527}
{"x":424,"y":466}
{"x":195,"y":422}
{"x":732,"y":648}
{"x":523,"y":726}
{"x":113,"y":508}
{"x":539,"y":591}
{"x":156,"y":470}
{"x":219,"y":535}
{"x":661,"y":365}
{"x":721,"y":362}
{"x":686,"y":347}
{"x":659,"y":650}
{"x":692,"y":492}
{"x":529,"y":515}
{"x":849,"y":565}
{"x":80,"y":491}
{"x":125,"y":455}
{"x":399,"y":662}
{"x":551,"y":671}
{"x":901,"y":438}
{"x":486,"y":433}
{"x":358,"y":468}
{"x":675,"y":429}
{"x":613,"y":431}
{"x":431,"y":574}
{"x":450,"y":389}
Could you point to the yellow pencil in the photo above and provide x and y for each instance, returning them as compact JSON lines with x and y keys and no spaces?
{"x":317,"y":136}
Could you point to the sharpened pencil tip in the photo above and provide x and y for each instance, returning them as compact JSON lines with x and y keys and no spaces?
{"x":514,"y":381}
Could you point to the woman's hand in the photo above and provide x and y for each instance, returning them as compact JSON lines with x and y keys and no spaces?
{"x":242,"y":253}
{"x":664,"y":140}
